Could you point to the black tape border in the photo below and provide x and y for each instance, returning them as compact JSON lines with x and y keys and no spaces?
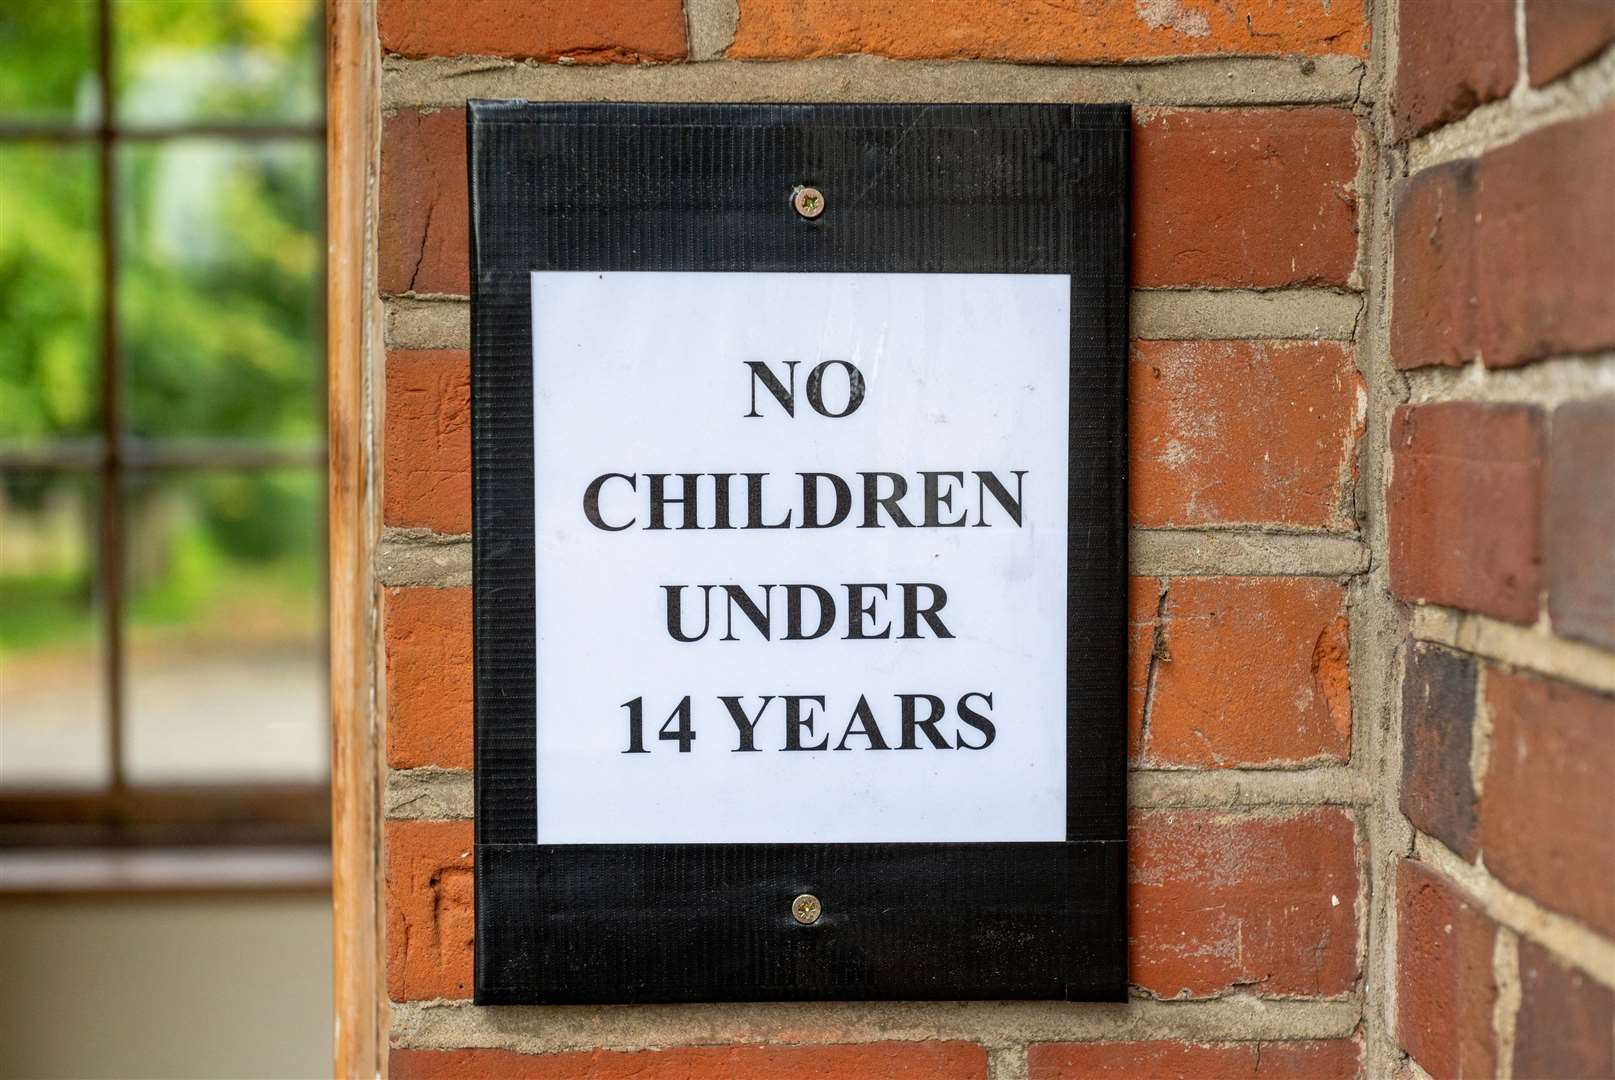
{"x":909,"y":188}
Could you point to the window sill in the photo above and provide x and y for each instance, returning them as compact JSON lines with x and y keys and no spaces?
{"x":164,"y":871}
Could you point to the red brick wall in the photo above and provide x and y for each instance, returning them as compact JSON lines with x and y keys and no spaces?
{"x":1501,"y":534}
{"x":1308,"y":254}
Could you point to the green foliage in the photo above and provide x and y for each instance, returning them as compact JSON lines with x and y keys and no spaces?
{"x":256,"y":518}
{"x":256,"y":59}
{"x":256,"y":531}
{"x":42,"y":609}
{"x":218,"y":292}
{"x":49,"y":255}
{"x":47,"y":55}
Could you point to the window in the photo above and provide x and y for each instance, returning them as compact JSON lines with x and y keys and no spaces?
{"x":162,"y":493}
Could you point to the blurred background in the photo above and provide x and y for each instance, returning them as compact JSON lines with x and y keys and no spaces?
{"x":164,"y":883}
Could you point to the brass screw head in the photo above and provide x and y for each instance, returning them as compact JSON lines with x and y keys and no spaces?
{"x":806,"y":909}
{"x":809,"y":201}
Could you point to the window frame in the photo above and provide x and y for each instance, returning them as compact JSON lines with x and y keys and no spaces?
{"x":118,"y":813}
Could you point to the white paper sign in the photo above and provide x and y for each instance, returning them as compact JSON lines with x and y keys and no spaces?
{"x":732,"y":651}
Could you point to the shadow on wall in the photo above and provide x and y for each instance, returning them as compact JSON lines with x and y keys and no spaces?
{"x":166,"y":987}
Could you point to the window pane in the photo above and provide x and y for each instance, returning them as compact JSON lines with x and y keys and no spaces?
{"x":50,"y":264}
{"x":180,"y":61}
{"x":52,"y":686}
{"x":47,"y":61}
{"x":218,"y":297}
{"x":225,"y":670}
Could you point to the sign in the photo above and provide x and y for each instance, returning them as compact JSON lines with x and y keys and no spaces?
{"x":796,"y":534}
{"x":799,"y":551}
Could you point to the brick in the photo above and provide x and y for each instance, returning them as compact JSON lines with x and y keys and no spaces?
{"x":428,"y":642}
{"x":1288,"y":639}
{"x":597,"y":32}
{"x":1244,"y":197}
{"x":1438,"y":726}
{"x":1249,"y":197}
{"x":1218,"y":901}
{"x":1432,"y":273}
{"x":1452,"y":55}
{"x":1243,"y":432}
{"x":423,"y":229}
{"x":1563,"y":34}
{"x":1302,"y":1060}
{"x":426,"y":459}
{"x":1056,"y":34}
{"x":1224,"y":901}
{"x":1545,"y":243}
{"x":1566,"y":1022}
{"x":1464,"y":507}
{"x":1232,"y":198}
{"x":885,"y":1060}
{"x":1445,"y":986}
{"x":1547,"y":802}
{"x":429,"y":910}
{"x":1579,"y":521}
{"x":1509,"y":258}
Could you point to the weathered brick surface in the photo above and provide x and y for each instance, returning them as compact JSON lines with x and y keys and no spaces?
{"x":1451,"y":56}
{"x":1545,"y":243}
{"x":1438,"y":725}
{"x":423,"y":230}
{"x":1487,"y":267}
{"x":1548,"y":799}
{"x":1433,"y":281}
{"x":427,"y":633}
{"x":1244,"y":197}
{"x":1508,"y":258}
{"x":426,"y":459}
{"x":1445,"y":986}
{"x":1218,"y":901}
{"x":1065,"y":33}
{"x":1566,"y":1023}
{"x":1223,"y":433}
{"x":1331,"y":1059}
{"x":1562,"y":34}
{"x":1464,"y":507}
{"x":1264,"y":904}
{"x":1243,"y":432}
{"x":1579,"y":520}
{"x":599,"y":31}
{"x":429,"y":909}
{"x":1287,"y":637}
{"x":886,"y":1061}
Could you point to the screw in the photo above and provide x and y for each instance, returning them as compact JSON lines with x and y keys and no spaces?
{"x":806,"y":909}
{"x":809,"y":201}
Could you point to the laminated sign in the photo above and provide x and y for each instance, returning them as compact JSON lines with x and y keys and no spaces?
{"x":800,"y":553}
